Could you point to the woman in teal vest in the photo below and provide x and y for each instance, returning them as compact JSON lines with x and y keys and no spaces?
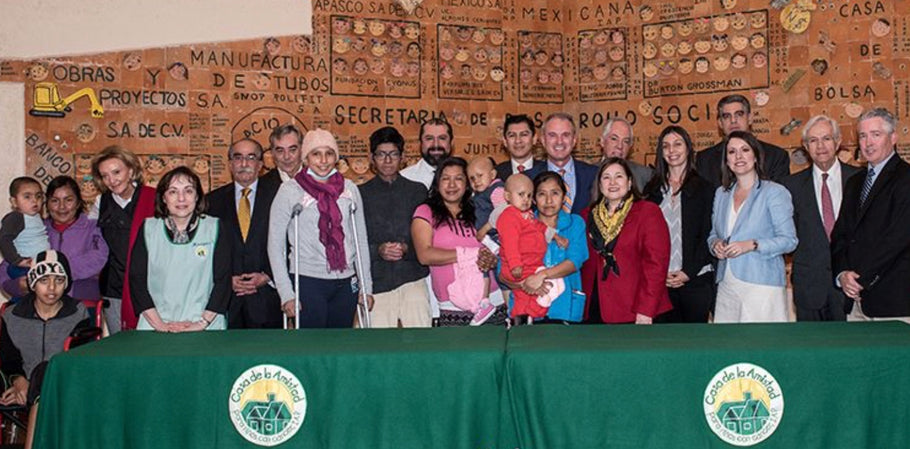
{"x":180,"y":267}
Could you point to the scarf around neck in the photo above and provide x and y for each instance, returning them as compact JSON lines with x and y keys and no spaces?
{"x":604,"y":230}
{"x":178,"y":236}
{"x":331,"y":234}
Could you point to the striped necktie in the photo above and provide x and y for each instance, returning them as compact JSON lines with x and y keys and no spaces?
{"x":567,"y":201}
{"x":243,"y":212}
{"x":867,"y":186}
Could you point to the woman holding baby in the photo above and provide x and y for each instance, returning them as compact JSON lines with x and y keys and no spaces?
{"x":445,"y":240}
{"x":560,"y":261}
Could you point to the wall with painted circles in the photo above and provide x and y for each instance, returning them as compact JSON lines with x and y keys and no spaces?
{"x":370,"y":63}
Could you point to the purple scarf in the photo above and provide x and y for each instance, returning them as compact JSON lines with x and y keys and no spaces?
{"x":331,"y":234}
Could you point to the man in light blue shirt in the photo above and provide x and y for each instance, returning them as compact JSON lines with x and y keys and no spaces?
{"x":558,"y":136}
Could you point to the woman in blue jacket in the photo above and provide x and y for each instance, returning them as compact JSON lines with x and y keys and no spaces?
{"x":752,"y":229}
{"x":549,"y":193}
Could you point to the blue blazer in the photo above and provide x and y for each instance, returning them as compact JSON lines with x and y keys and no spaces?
{"x":767,"y":217}
{"x":585,"y":175}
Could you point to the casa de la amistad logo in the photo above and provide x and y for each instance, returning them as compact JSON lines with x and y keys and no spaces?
{"x":267,"y":405}
{"x":743,"y":404}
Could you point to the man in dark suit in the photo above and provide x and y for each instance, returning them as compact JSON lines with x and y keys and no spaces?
{"x":817,"y":194}
{"x":735,"y":114}
{"x":518,"y":138}
{"x":243,"y":208}
{"x":870,"y":244}
{"x":616,"y":141}
{"x":558,"y":137}
{"x":284,"y":144}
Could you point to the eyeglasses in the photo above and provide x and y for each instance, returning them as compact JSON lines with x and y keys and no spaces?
{"x":382,"y":155}
{"x":245,"y":157}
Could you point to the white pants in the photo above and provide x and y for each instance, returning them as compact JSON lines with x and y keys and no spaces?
{"x":857,"y":315}
{"x":408,"y":303}
{"x":745,"y":302}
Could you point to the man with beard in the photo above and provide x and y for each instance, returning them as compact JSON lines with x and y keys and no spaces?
{"x":435,"y":145}
{"x":518,"y":138}
{"x":243,"y":207}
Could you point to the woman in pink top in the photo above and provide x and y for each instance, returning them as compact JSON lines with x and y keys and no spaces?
{"x":443,"y":225}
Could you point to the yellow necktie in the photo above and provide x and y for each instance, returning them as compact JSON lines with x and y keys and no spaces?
{"x":243,"y":213}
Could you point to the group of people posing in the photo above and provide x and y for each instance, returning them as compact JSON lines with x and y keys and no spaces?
{"x":700,"y":236}
{"x":446,"y":241}
{"x":449,"y":242}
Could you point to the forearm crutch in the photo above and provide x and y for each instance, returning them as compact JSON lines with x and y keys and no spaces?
{"x":296,"y":214}
{"x":363,"y":309}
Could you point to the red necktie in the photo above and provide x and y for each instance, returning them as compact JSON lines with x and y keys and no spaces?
{"x":521,"y":169}
{"x":827,"y":207}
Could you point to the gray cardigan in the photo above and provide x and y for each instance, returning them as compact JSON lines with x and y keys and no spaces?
{"x":313,"y":262}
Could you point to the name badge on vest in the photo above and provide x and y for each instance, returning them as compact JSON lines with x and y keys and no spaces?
{"x":201,"y":251}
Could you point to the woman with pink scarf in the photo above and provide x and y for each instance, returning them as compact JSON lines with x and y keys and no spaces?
{"x":328,"y":203}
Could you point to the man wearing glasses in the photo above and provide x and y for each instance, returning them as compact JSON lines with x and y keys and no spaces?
{"x":243,"y":208}
{"x":389,"y":199}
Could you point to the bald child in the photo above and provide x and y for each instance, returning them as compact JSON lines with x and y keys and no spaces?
{"x":523,"y":244}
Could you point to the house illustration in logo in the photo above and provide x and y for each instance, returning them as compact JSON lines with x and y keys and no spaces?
{"x":744,"y":417}
{"x":267,"y":418}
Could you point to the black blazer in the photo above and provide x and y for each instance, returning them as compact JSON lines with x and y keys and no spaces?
{"x":504,"y":169}
{"x":697,"y":197}
{"x":813,"y":281}
{"x":250,"y":256}
{"x":874,"y":240}
{"x":272,"y":177}
{"x":776,"y":163}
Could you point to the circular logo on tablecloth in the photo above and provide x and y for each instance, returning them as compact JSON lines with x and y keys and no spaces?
{"x":267,"y":405}
{"x":743,"y":404}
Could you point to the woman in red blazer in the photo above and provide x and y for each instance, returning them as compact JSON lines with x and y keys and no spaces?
{"x":629,"y":246}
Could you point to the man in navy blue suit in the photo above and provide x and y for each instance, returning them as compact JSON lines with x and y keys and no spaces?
{"x":870,"y":243}
{"x":558,"y":136}
{"x":518,"y":138}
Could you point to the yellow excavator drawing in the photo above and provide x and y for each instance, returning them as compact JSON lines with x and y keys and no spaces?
{"x":49,"y":104}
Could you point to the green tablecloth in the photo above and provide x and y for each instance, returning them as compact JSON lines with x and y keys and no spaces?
{"x":844,"y":385}
{"x":365,"y":389}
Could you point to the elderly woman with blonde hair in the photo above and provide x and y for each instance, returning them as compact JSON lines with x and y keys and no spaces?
{"x":120,"y":210}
